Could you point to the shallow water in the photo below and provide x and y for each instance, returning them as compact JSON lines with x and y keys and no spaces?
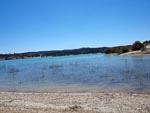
{"x":81,"y":73}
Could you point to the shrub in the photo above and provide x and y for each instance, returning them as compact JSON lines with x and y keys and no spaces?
{"x":113,"y":50}
{"x":143,"y":49}
{"x":137,"y":46}
{"x":108,"y":50}
{"x":125,"y":49}
{"x":118,"y":50}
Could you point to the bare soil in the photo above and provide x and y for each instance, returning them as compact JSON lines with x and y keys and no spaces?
{"x":74,"y":103}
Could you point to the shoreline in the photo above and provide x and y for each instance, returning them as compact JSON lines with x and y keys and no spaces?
{"x":132,"y":54}
{"x":104,"y":102}
{"x":137,"y":53}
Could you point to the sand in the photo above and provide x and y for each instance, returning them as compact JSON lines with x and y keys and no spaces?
{"x":137,"y":53}
{"x":74,"y":103}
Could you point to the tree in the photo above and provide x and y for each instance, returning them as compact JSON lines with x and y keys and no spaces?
{"x":146,"y":42}
{"x":137,"y":46}
{"x":107,"y":51}
{"x":125,"y":49}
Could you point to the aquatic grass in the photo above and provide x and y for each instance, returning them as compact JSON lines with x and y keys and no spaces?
{"x":56,"y":69}
{"x":55,"y":66}
{"x":13,"y":71}
{"x":3,"y":68}
{"x":44,"y":67}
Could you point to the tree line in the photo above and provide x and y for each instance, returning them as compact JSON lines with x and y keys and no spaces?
{"x":52,"y":53}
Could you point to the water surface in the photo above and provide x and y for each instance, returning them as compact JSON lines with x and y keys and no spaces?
{"x":81,"y":73}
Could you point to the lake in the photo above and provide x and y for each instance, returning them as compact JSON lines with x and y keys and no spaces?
{"x":80,"y":73}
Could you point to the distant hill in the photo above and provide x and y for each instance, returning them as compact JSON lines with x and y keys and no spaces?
{"x":53,"y":53}
{"x":107,"y":50}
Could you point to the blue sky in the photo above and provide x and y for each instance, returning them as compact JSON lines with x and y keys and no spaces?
{"x":35,"y":25}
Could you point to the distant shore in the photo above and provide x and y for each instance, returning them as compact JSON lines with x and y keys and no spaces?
{"x":52,"y":53}
{"x":11,"y":102}
{"x":136,"y":49}
{"x":125,"y":50}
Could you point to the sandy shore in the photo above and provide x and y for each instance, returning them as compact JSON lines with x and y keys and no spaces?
{"x":137,"y":53}
{"x":74,"y":103}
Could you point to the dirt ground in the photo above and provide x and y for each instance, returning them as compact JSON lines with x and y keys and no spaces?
{"x":74,"y":103}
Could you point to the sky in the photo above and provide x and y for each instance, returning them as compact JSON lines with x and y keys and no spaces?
{"x":36,"y":25}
